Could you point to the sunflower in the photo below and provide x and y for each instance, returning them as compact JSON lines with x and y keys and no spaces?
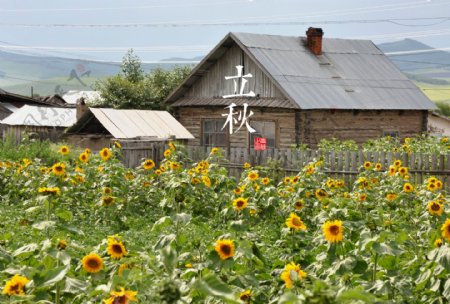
{"x":253,"y":175}
{"x":362,"y":197}
{"x":397,"y":163}
{"x":438,"y":243}
{"x":246,"y":165}
{"x":435,"y":208}
{"x":321,"y":194}
{"x":439,"y":184}
{"x":172,"y":146}
{"x":117,"y":144}
{"x":62,"y":245}
{"x":367,"y":165}
{"x":225,"y":249}
{"x":245,"y":296}
{"x":403,"y":171}
{"x":105,"y":154}
{"x":391,"y":196}
{"x":158,"y":172}
{"x":107,"y":190}
{"x":129,"y":175}
{"x":392,"y":170}
{"x":265,"y":181}
{"x":115,"y":248}
{"x":309,"y":169}
{"x":122,"y":267}
{"x":237,"y":191}
{"x":287,"y":276}
{"x":432,"y":180}
{"x":299,"y":204}
{"x":340,"y":183}
{"x":84,"y":157}
{"x":293,"y":221}
{"x":214,"y":150}
{"x":431,"y":187}
{"x":333,"y":231}
{"x":330,"y":183}
{"x":240,"y":203}
{"x":167,"y":153}
{"x":107,"y":200}
{"x":175,"y":166}
{"x":444,"y":140}
{"x":121,"y":297}
{"x":148,"y":164}
{"x":287,"y":180}
{"x":407,"y":187}
{"x":64,"y":150}
{"x":92,"y":263}
{"x":378,"y":167}
{"x":15,"y":286}
{"x":206,"y":181}
{"x":46,"y":190}
{"x":295,"y":179}
{"x":446,"y":229}
{"x":59,"y":169}
{"x":87,"y":151}
{"x":195,"y":181}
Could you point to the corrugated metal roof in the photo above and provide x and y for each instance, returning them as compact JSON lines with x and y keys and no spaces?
{"x":72,"y":96}
{"x":9,"y":107}
{"x":252,"y":102}
{"x":41,"y":116}
{"x":140,"y":123}
{"x":350,"y":74}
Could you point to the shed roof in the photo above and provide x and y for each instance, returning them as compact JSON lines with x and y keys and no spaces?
{"x":350,"y":74}
{"x":127,"y":124}
{"x":72,"y":96}
{"x":41,"y":116}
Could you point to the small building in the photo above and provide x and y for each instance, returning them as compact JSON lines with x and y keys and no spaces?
{"x":296,"y":90}
{"x":96,"y":127}
{"x":37,"y":121}
{"x":438,"y":125}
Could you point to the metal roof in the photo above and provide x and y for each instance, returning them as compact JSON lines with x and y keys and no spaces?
{"x":350,"y":74}
{"x":72,"y":96}
{"x":129,"y":124}
{"x":252,"y":102}
{"x":41,"y":116}
{"x":9,"y":107}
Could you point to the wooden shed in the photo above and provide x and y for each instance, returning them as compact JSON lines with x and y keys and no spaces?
{"x":296,"y":90}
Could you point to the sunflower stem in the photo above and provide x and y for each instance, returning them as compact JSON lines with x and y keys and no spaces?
{"x":374,"y":273}
{"x":58,"y":288}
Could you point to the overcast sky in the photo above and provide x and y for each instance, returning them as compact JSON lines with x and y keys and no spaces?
{"x":158,"y":29}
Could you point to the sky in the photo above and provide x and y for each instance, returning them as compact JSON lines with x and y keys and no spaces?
{"x":160,"y":29}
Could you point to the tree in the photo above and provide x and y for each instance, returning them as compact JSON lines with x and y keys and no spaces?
{"x":133,"y":89}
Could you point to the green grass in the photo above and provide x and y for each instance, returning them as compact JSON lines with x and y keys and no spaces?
{"x":437,"y":93}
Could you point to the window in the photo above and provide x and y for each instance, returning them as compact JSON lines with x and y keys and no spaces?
{"x":264,"y":129}
{"x":212,"y":135}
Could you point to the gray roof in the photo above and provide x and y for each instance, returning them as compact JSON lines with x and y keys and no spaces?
{"x":127,"y":124}
{"x":252,"y":102}
{"x":350,"y":74}
{"x":41,"y":116}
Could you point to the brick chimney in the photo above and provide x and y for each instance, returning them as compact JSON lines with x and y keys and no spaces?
{"x":314,"y":40}
{"x":81,"y":107}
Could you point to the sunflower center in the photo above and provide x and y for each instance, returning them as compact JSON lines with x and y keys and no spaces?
{"x":117,"y":248}
{"x":296,"y":221}
{"x":435,"y":207}
{"x":334,"y":229}
{"x":240,"y":203}
{"x":120,"y":300}
{"x":14,"y":288}
{"x":226,"y":249}
{"x":93,"y":263}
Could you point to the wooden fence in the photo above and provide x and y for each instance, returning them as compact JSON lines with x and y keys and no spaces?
{"x":341,"y":164}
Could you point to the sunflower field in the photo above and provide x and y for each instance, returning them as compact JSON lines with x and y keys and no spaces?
{"x":86,"y":229}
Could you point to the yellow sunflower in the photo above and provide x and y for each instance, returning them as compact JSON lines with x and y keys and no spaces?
{"x":287,"y":180}
{"x":299,"y":204}
{"x":87,"y":151}
{"x":51,"y":190}
{"x":167,"y":153}
{"x":435,"y":208}
{"x":214,"y":150}
{"x":367,"y":165}
{"x":15,"y":286}
{"x":287,"y":277}
{"x":107,"y":200}
{"x":206,"y":181}
{"x":293,"y":221}
{"x":408,"y":187}
{"x":392,"y":170}
{"x":253,"y":175}
{"x":237,"y":191}
{"x":378,"y":167}
{"x":92,"y":263}
{"x":398,"y":163}
{"x":225,"y":249}
{"x":295,"y":179}
{"x":446,"y":229}
{"x":158,"y":172}
{"x":333,"y":231}
{"x":107,"y":190}
{"x":240,"y":203}
{"x":148,"y":164}
{"x":309,"y":169}
{"x":246,"y":165}
{"x":438,"y":243}
{"x":122,"y":267}
{"x":403,"y":171}
{"x":321,"y":194}
{"x":391,"y":196}
{"x":62,"y":245}
{"x":84,"y":157}
{"x":105,"y":154}
{"x":175,"y":166}
{"x":121,"y":297}
{"x":265,"y":181}
{"x":116,"y":249}
{"x":117,"y":144}
{"x":59,"y":169}
{"x":245,"y":296}
{"x":439,"y":184}
{"x":64,"y":150}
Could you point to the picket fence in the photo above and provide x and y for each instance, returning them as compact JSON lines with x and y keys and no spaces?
{"x":337,"y":164}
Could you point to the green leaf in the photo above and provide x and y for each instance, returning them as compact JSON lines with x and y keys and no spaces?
{"x":44,"y":225}
{"x":25,"y":249}
{"x":165,"y":240}
{"x":446,"y":292}
{"x":55,"y":275}
{"x":169,"y":258}
{"x":238,"y":225}
{"x":65,"y":215}
{"x":353,"y":295}
{"x":212,"y":286}
{"x":162,"y":223}
{"x":388,"y":262}
{"x":182,"y":218}
{"x":74,"y":285}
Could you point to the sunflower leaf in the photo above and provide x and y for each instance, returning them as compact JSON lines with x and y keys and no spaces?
{"x":25,"y":249}
{"x":211,"y":285}
{"x":55,"y":275}
{"x":162,"y":223}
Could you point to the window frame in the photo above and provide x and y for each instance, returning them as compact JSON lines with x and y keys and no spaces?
{"x":249,"y":137}
{"x":225,"y":132}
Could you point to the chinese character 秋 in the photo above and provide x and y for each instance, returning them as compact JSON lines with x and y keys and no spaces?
{"x":242,"y":118}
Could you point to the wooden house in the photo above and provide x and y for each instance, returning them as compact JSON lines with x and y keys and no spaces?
{"x":296,"y":90}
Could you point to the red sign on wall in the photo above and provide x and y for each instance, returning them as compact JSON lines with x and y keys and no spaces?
{"x":260,"y":143}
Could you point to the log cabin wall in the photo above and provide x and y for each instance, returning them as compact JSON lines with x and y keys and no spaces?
{"x":192,"y":117}
{"x":358,"y":125}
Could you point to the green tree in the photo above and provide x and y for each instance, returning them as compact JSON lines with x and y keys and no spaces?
{"x":133,"y":89}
